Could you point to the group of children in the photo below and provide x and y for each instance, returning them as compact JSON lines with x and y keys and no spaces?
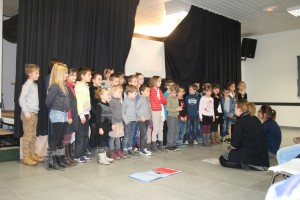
{"x":121,"y":118}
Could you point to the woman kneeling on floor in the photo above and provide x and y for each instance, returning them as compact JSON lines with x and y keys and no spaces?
{"x":248,"y":148}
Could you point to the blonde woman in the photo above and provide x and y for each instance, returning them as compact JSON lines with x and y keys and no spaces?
{"x":58,"y":103}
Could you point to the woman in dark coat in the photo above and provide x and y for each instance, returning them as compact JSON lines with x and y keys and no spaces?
{"x":248,"y":142}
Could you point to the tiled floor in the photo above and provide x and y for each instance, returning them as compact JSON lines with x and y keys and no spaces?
{"x":198,"y":180}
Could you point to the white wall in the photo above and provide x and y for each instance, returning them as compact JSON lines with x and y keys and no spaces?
{"x":8,"y":74}
{"x":272,"y":75}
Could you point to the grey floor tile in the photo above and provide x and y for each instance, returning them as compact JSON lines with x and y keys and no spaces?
{"x":6,"y":193}
{"x":39,"y":184}
{"x":243,"y":194}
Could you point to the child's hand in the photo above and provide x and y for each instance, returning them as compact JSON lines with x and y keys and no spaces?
{"x":83,"y":120}
{"x":28,"y":116}
{"x":143,"y":119}
{"x":185,"y":118}
{"x":200,"y":119}
{"x":101,"y":132}
{"x":230,"y":115}
{"x":113,"y":127}
{"x":214,"y":119}
{"x":70,"y":121}
{"x":89,"y":117}
{"x":179,"y":108}
{"x":217,"y":117}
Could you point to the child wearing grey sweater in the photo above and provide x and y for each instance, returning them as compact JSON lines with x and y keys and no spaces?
{"x":143,"y":109}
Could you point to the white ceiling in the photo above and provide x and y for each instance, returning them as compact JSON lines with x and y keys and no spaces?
{"x":254,"y":21}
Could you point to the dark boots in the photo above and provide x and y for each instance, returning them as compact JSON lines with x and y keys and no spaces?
{"x":161,"y":147}
{"x":53,"y":160}
{"x":61,"y":158}
{"x":68,"y":155}
{"x":154,"y":147}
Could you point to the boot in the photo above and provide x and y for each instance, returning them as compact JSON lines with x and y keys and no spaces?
{"x":148,"y":146}
{"x":61,"y":158}
{"x":207,"y":140}
{"x":212,"y":136}
{"x":154,"y":147}
{"x":161,"y":147}
{"x":27,"y":160}
{"x":68,"y":155}
{"x":102,"y":159}
{"x":120,"y":154}
{"x":114,"y":155}
{"x":53,"y":160}
{"x":36,"y":158}
{"x":217,"y":137}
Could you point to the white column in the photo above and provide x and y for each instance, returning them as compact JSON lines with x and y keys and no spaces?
{"x":1,"y":38}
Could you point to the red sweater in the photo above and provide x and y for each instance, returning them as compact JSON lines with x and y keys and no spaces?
{"x":154,"y":101}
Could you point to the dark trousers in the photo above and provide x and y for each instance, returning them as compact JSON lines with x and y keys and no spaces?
{"x":81,"y":137}
{"x":143,"y":133}
{"x":57,"y":135}
{"x":165,"y":133}
{"x":95,"y":136}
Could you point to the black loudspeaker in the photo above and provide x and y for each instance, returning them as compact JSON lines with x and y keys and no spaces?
{"x":248,"y":48}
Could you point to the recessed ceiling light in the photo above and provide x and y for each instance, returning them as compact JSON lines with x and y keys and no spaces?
{"x":270,"y":9}
{"x":294,"y":11}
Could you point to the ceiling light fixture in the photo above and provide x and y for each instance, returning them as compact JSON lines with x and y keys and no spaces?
{"x":294,"y":11}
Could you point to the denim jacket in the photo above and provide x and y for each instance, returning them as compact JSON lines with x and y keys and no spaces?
{"x":231,"y":106}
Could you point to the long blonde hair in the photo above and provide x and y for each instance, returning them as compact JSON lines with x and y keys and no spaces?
{"x":58,"y":76}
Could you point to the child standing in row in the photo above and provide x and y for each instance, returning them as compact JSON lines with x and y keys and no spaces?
{"x":95,"y":84}
{"x":29,"y":103}
{"x":129,"y":118}
{"x":57,"y":101}
{"x":216,"y":95}
{"x":229,"y":109}
{"x":192,"y":105}
{"x":206,"y":114}
{"x":83,"y":106}
{"x":173,"y":109}
{"x":182,"y":117}
{"x":117,"y":124}
{"x":241,"y":94}
{"x":157,"y":100}
{"x":106,"y":82}
{"x":144,"y":116}
{"x":72,"y":116}
{"x":103,"y":123}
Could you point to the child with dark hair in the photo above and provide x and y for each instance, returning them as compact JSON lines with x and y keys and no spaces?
{"x":182,"y":117}
{"x":228,"y":109}
{"x":144,"y":116}
{"x":217,"y":96}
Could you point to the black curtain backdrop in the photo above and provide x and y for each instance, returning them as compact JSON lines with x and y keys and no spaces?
{"x":205,"y":47}
{"x":94,"y":33}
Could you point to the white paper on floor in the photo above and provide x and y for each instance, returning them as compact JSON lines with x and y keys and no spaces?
{"x":212,"y":161}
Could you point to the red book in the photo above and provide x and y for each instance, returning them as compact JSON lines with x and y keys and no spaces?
{"x":164,"y":170}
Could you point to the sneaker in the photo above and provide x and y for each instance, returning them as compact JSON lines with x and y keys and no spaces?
{"x":176,"y":148}
{"x":146,"y":150}
{"x":143,"y":152}
{"x":171,"y":148}
{"x":87,"y":157}
{"x":227,"y":140}
{"x":195,"y":142}
{"x":186,"y":142}
{"x":81,"y":159}
{"x":126,"y":153}
{"x":133,"y":153}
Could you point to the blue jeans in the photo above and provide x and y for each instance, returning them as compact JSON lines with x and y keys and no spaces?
{"x":128,"y":135}
{"x":225,"y":126}
{"x":181,"y":130}
{"x":288,"y":153}
{"x":135,"y":135}
{"x":192,"y":123}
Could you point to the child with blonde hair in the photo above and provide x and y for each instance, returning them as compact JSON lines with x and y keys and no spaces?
{"x":117,"y":124}
{"x":58,"y":103}
{"x":29,"y":103}
{"x":103,"y":123}
{"x":241,"y":93}
{"x":157,"y":101}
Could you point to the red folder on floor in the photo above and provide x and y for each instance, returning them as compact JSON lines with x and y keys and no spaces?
{"x":164,"y":170}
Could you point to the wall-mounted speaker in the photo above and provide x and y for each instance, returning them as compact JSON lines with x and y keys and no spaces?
{"x":248,"y":48}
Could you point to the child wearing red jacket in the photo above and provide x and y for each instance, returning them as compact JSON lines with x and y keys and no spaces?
{"x":157,"y":100}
